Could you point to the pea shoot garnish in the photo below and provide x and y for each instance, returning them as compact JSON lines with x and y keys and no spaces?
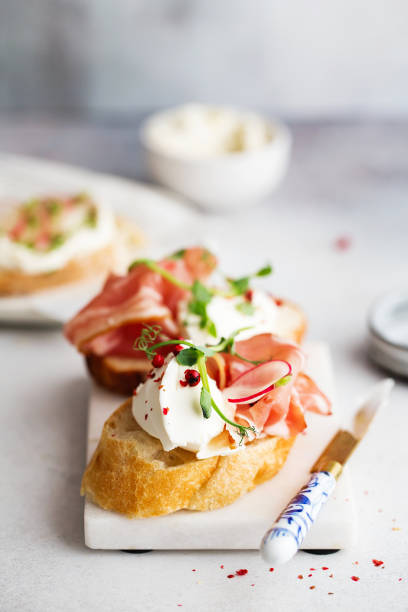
{"x":202,"y":295}
{"x":148,"y":335}
{"x":240,"y":286}
{"x":198,"y":306}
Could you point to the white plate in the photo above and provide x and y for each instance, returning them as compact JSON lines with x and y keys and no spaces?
{"x":162,"y":217}
{"x":241,"y":525}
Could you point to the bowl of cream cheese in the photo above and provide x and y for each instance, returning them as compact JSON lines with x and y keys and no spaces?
{"x":220,"y":157}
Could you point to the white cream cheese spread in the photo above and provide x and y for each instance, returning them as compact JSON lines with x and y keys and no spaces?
{"x":171,"y":412}
{"x":260,"y":315}
{"x":199,"y":131}
{"x":44,"y":235}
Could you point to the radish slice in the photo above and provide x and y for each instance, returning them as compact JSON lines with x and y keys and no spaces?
{"x":257,"y":381}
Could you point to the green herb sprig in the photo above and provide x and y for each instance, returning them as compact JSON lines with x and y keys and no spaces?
{"x":148,"y":335}
{"x":239,"y":286}
{"x":227,"y":345}
{"x":198,"y":306}
{"x":150,"y":263}
{"x":202,"y":295}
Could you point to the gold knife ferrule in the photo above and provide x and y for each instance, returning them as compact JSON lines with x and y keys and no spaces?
{"x":333,"y":467}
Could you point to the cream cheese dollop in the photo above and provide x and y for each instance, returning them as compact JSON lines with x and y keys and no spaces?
{"x":228,"y":316}
{"x":200,"y":131}
{"x":172,"y":413}
{"x":82,"y":242}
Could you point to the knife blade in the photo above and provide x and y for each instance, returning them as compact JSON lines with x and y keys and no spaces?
{"x":282,"y":541}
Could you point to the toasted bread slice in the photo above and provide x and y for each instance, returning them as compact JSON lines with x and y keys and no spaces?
{"x":122,"y":375}
{"x":130,"y":472}
{"x":15,"y":282}
{"x":118,"y":374}
{"x":98,"y":263}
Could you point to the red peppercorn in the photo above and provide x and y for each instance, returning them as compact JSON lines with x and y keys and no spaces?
{"x":158,"y":360}
{"x":177,"y":349}
{"x":192,"y":377}
{"x":248,"y":295}
{"x":342,"y":243}
{"x":183,"y":383}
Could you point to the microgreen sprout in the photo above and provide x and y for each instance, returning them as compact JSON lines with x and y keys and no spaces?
{"x":56,"y":241}
{"x":198,"y":305}
{"x":239,"y":286}
{"x":202,"y":295}
{"x":148,"y":335}
{"x":245,"y":308}
{"x":227,"y":345}
{"x":178,"y":254}
{"x":159,"y":270}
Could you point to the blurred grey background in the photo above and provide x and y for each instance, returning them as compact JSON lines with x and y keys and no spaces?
{"x":299,"y":59}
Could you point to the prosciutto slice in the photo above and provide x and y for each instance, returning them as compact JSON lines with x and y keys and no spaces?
{"x":109,"y":324}
{"x":281,"y":411}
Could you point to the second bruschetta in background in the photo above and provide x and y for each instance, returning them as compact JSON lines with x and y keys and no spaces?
{"x":52,"y":241}
{"x":178,"y":293}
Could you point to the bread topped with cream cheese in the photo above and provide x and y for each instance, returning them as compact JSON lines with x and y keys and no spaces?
{"x":130,"y":473}
{"x":207,"y":426}
{"x":51,"y":241}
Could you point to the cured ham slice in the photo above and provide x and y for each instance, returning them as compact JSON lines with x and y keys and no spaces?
{"x":257,"y":381}
{"x":281,"y":411}
{"x":311,"y":397}
{"x":142,"y":296}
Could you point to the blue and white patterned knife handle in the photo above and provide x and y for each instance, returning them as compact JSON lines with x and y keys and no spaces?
{"x":281,"y":542}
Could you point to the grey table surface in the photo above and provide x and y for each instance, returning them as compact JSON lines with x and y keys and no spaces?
{"x":345,"y":179}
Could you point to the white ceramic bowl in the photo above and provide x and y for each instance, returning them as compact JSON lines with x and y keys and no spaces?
{"x":223,"y":182}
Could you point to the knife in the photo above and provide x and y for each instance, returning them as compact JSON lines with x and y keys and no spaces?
{"x":283,"y":540}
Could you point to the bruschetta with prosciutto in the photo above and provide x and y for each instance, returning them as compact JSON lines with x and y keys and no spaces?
{"x":183,"y":294}
{"x":209,"y":424}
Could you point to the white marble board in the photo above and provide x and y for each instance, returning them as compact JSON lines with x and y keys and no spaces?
{"x":241,"y":525}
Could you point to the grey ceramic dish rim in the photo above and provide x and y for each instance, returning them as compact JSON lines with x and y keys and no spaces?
{"x":381,"y":302}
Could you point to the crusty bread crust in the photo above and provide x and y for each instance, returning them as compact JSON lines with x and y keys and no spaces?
{"x":15,"y":282}
{"x":130,"y":472}
{"x":117,"y":374}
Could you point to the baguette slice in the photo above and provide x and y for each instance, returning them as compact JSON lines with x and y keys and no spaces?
{"x":16,"y":282}
{"x":98,"y":263}
{"x":122,"y":375}
{"x":130,"y":472}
